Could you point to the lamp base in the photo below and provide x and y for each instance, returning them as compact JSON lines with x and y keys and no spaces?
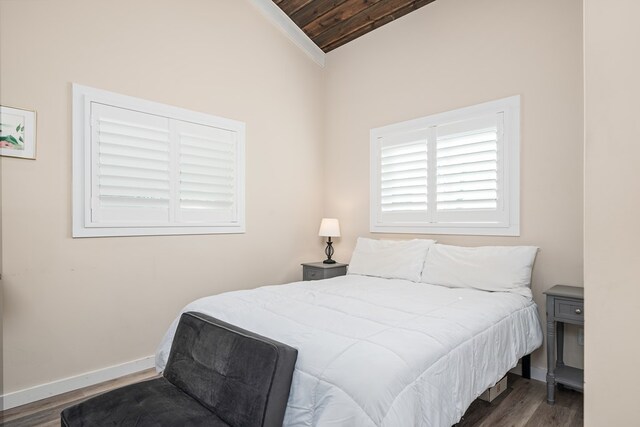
{"x":328,"y":251}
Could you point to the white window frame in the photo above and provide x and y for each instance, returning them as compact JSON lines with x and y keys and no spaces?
{"x":82,"y":226}
{"x":509,"y":156}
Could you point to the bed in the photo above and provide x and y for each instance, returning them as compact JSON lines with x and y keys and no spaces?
{"x":380,"y":351}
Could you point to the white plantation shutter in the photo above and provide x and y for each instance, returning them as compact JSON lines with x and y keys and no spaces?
{"x":451,"y":173}
{"x":403,"y":177}
{"x":143,"y":168}
{"x":130,"y":159}
{"x":207,"y":173}
{"x":469,"y":170}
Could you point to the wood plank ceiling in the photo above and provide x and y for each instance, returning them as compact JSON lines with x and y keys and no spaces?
{"x":332,"y":23}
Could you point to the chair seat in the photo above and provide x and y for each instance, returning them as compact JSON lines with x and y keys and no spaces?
{"x":150,"y":403}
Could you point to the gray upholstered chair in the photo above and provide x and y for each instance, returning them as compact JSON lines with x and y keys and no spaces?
{"x":216,"y":375}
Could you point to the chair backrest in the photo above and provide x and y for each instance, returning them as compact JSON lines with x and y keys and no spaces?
{"x":242,"y":377}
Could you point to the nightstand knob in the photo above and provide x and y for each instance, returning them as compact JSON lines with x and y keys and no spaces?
{"x":578,"y":311}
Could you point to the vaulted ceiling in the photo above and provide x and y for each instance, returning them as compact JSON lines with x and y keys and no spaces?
{"x":332,"y":23}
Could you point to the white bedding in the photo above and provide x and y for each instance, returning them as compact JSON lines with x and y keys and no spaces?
{"x":382,"y":352}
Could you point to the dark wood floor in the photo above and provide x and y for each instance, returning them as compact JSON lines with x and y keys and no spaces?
{"x":46,"y":412}
{"x":523,"y":404}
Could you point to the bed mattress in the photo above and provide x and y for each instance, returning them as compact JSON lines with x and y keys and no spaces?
{"x":381,"y":352}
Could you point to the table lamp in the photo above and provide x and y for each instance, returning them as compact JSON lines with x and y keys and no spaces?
{"x":329,"y":227}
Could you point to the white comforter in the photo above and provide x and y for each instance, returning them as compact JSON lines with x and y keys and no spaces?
{"x":380,"y":352}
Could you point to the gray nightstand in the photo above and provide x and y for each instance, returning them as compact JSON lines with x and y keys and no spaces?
{"x":565,"y":304}
{"x":318,"y":270}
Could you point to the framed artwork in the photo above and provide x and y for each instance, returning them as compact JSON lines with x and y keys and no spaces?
{"x":17,"y":132}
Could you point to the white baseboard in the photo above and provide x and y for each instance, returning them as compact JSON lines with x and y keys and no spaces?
{"x":43,"y":391}
{"x":39,"y":392}
{"x":538,"y":374}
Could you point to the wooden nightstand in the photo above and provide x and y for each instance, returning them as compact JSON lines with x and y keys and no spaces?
{"x":565,"y":304}
{"x":319,"y":271}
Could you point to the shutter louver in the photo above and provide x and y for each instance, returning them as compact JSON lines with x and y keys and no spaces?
{"x":207,"y":173}
{"x":403,"y":176}
{"x":402,"y":183}
{"x":467,"y":165}
{"x":131,"y":158}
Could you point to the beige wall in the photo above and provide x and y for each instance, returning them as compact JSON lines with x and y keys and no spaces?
{"x":455,"y":53}
{"x":76,"y":305}
{"x":612,"y":210}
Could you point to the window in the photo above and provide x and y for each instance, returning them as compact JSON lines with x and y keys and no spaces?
{"x":143,"y":168}
{"x":450,"y":173}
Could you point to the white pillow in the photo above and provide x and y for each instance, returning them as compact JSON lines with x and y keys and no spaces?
{"x":489,"y":268}
{"x":390,"y":259}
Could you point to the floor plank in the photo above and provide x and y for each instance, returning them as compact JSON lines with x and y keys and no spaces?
{"x":567,"y":411}
{"x":523,"y":404}
{"x":47,"y":411}
{"x":525,"y":398}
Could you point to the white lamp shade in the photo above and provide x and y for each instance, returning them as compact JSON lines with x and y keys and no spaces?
{"x":329,"y":227}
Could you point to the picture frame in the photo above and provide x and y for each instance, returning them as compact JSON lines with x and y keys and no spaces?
{"x":17,"y":132}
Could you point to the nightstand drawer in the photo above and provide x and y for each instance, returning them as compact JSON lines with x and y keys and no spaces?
{"x":319,"y":270}
{"x":312,"y":274}
{"x":335,"y":272}
{"x":569,"y":309}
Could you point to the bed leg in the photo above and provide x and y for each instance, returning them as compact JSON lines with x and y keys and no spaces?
{"x":526,"y":367}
